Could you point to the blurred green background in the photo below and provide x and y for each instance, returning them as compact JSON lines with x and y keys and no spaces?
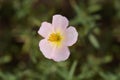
{"x":95,"y":56}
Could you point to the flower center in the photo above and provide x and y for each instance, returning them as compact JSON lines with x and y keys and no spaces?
{"x":54,"y":37}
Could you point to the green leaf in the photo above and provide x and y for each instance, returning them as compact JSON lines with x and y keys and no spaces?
{"x":72,"y":70}
{"x":94,"y":8}
{"x":94,"y":41}
{"x":5,"y":59}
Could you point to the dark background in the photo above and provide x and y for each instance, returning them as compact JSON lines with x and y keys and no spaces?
{"x":95,"y":56}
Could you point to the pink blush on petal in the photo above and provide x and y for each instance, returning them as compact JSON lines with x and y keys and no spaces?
{"x":46,"y":48}
{"x":45,"y":29}
{"x":60,"y":22}
{"x":71,"y":36}
{"x":60,"y":54}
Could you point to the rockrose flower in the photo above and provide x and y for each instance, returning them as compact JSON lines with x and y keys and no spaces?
{"x":57,"y":38}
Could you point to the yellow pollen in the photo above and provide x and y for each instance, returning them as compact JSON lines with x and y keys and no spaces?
{"x":54,"y":37}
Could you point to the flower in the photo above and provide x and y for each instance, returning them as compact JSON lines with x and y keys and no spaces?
{"x":57,"y":38}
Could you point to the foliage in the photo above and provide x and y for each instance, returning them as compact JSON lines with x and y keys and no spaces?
{"x":95,"y":56}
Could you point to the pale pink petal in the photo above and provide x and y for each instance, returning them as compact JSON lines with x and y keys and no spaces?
{"x":45,"y":29}
{"x":60,"y":54}
{"x":71,"y":36}
{"x":46,"y":48}
{"x":60,"y":22}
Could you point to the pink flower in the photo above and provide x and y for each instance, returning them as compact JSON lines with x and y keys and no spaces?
{"x":57,"y":38}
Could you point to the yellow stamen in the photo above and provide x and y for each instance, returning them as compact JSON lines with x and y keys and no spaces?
{"x":55,"y":38}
